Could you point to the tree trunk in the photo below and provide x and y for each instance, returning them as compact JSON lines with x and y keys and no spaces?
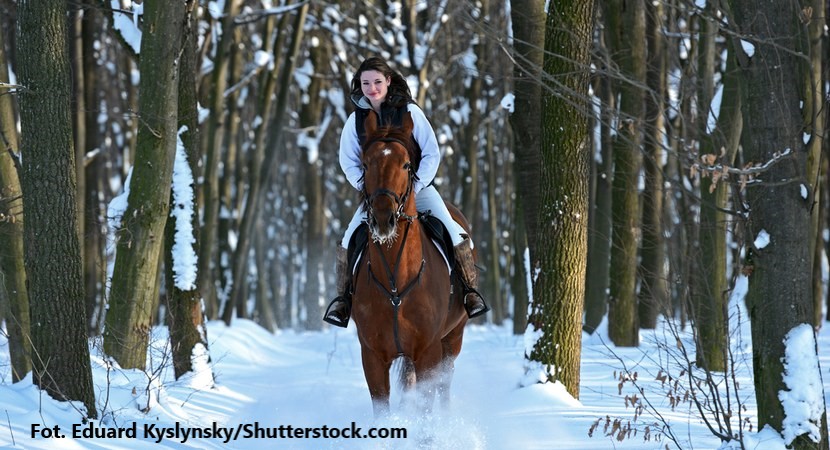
{"x":95,"y":173}
{"x":134,"y":296}
{"x":628,"y":45}
{"x":711,"y":290}
{"x":599,"y":236}
{"x":528,"y":43}
{"x":60,"y":356}
{"x":653,"y":296}
{"x":215,"y":137}
{"x":315,"y":214}
{"x":780,"y":294}
{"x":559,"y":288}
{"x":815,"y":116}
{"x":185,"y":303}
{"x":12,"y":266}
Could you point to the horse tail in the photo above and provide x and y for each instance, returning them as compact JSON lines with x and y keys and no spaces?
{"x":405,"y":368}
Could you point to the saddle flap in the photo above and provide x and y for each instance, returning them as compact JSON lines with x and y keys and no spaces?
{"x":439,"y":234}
{"x":357,"y":244}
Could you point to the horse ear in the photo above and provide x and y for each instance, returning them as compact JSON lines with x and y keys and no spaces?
{"x":408,"y":125}
{"x":370,"y":124}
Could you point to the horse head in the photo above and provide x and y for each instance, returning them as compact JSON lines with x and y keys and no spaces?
{"x":388,"y":177}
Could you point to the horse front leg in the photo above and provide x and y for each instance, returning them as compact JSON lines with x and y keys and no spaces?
{"x":376,"y":372}
{"x":451,"y":347}
{"x":427,"y":372}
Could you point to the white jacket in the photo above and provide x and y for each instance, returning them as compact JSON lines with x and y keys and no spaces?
{"x":422,"y":131}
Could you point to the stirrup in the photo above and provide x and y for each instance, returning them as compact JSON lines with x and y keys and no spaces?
{"x":473,"y":313}
{"x":333,"y":316}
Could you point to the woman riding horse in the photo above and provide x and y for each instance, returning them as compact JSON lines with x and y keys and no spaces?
{"x":404,"y":304}
{"x":376,"y":87}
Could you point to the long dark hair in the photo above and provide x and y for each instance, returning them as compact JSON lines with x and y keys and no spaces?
{"x":398,"y":93}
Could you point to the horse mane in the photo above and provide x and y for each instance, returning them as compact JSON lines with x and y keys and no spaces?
{"x":388,"y":133}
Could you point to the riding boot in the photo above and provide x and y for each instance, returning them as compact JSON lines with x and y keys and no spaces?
{"x":340,"y":308}
{"x":473,"y":302}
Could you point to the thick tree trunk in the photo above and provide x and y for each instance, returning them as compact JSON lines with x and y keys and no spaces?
{"x":134,"y":294}
{"x":60,"y":355}
{"x":779,"y":244}
{"x":559,"y":288}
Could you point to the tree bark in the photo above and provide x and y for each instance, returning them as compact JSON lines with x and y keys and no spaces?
{"x":627,"y":24}
{"x":60,"y":355}
{"x":599,"y":236}
{"x":185,"y":304}
{"x":780,"y":294}
{"x":559,"y":288}
{"x":134,"y":294}
{"x":653,"y":295}
{"x":711,"y":291}
{"x":12,"y":265}
{"x":528,"y":18}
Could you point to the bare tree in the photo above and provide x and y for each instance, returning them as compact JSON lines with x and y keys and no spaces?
{"x":627,"y":40}
{"x":15,"y":299}
{"x":60,"y":357}
{"x":134,"y":295}
{"x":559,"y":287}
{"x":778,"y":198}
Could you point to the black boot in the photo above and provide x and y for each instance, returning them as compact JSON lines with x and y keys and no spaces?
{"x":340,"y":308}
{"x":473,"y":302}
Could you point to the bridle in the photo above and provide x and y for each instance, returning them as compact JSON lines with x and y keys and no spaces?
{"x":399,"y":200}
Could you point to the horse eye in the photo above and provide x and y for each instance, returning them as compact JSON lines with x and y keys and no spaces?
{"x":407,"y":166}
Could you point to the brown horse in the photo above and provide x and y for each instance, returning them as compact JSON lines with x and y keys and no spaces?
{"x":403,"y":303}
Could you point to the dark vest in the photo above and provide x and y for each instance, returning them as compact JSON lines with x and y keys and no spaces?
{"x":389,"y":115}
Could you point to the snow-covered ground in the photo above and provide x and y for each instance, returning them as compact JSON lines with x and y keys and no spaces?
{"x":315,"y":379}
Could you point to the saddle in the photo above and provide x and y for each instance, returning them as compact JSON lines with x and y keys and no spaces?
{"x":433,"y":227}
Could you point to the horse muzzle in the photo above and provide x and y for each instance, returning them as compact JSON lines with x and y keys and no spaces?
{"x":383,"y":220}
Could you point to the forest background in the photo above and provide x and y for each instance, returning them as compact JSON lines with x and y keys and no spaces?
{"x":618,"y":160}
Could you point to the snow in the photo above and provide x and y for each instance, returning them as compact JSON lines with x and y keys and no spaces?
{"x":314,"y":380}
{"x":507,"y":102}
{"x":762,"y":240}
{"x":748,"y":47}
{"x":184,"y":254}
{"x":127,"y":24}
{"x":802,"y":401}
